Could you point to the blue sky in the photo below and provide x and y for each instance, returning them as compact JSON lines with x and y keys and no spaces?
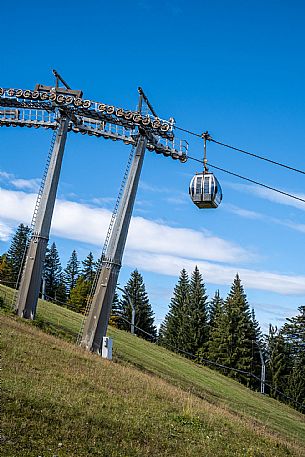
{"x":235,"y":69}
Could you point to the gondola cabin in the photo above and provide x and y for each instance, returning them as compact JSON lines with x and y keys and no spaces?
{"x":205,"y":190}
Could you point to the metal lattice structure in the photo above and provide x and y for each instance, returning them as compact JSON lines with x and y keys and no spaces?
{"x":42,"y":108}
{"x":63,"y":110}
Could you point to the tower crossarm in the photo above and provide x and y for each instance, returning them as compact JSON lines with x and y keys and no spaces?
{"x":50,"y":98}
{"x":18,"y":111}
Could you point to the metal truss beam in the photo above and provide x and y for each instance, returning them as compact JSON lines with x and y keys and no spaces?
{"x":88,"y":108}
{"x":106,"y":128}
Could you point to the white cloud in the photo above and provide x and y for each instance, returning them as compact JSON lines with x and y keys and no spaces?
{"x":293,"y":225}
{"x":169,"y":195}
{"x":26,"y":184}
{"x":16,"y":206}
{"x":4,"y":175}
{"x":177,"y":200}
{"x":265,"y":218}
{"x":5,"y":232}
{"x":82,"y":222}
{"x":31,"y":185}
{"x":152,"y":246}
{"x":161,"y":238}
{"x":277,"y":310}
{"x":248,"y":214}
{"x":217,"y":274}
{"x":103,"y":200}
{"x":280,"y":198}
{"x":271,"y":195}
{"x":152,"y":188}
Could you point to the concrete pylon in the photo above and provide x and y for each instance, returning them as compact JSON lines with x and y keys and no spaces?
{"x":96,"y":324}
{"x":29,"y":288}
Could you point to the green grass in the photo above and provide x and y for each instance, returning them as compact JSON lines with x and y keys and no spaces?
{"x":61,"y":401}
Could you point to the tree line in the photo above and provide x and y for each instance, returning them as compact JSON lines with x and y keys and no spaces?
{"x":72,"y":286}
{"x":220,"y":332}
{"x":225,"y":335}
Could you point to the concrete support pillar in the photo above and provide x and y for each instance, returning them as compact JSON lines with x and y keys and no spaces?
{"x":29,"y":288}
{"x":97,"y":321}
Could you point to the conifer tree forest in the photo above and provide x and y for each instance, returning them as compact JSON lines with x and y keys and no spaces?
{"x":219,"y":332}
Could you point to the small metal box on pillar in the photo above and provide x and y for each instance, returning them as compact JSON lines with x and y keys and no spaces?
{"x":107,"y":348}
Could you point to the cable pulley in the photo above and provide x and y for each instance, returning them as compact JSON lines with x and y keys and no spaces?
{"x":100,"y":119}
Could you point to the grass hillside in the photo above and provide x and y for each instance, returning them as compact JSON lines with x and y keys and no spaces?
{"x":62,"y":401}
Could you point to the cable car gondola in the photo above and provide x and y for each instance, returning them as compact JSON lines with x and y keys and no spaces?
{"x":205,"y":190}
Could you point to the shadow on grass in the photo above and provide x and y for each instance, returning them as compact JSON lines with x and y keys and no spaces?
{"x":57,"y":330}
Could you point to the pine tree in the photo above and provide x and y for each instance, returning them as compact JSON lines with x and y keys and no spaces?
{"x":279,"y":362}
{"x":293,"y":333}
{"x":79,"y":295}
{"x":217,"y":344}
{"x":88,"y":270}
{"x":135,"y":294}
{"x":215,"y":308}
{"x":195,"y":322}
{"x":16,"y":252}
{"x":61,"y":294}
{"x":209,"y":351}
{"x":233,"y":338}
{"x":5,"y":271}
{"x":258,"y":350}
{"x":115,"y":312}
{"x":295,"y":388}
{"x":72,"y":271}
{"x":171,"y":333}
{"x":52,"y":271}
{"x":286,"y":364}
{"x":241,"y":333}
{"x":97,"y":266}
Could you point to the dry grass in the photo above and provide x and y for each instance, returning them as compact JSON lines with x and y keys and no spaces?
{"x":61,"y":401}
